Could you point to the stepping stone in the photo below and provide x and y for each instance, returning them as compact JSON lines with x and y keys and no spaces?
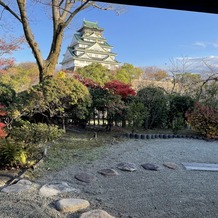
{"x":52,"y":189}
{"x":201,"y":166}
{"x":149,"y":166}
{"x":85,"y":177}
{"x":126,"y":166}
{"x":108,"y":172}
{"x":21,"y":186}
{"x":96,"y":214}
{"x":169,"y":165}
{"x":71,"y":205}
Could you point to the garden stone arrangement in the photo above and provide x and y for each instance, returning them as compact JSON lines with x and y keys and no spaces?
{"x":160,"y":136}
{"x":133,"y":178}
{"x":73,"y":205}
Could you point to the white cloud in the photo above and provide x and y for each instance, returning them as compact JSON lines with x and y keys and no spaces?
{"x":200,"y":44}
{"x":215,"y":45}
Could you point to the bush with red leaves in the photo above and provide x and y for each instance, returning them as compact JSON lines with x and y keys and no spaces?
{"x":2,"y":125}
{"x":205,"y":120}
{"x":119,"y":88}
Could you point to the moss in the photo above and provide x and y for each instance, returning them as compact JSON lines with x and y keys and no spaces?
{"x":73,"y":148}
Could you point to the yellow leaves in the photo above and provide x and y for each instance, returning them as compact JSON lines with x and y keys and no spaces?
{"x":16,"y":114}
{"x":61,"y":75}
{"x":23,"y":158}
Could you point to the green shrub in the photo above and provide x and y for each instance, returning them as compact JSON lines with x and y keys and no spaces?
{"x":136,"y":114}
{"x":12,"y":154}
{"x":178,"y":106}
{"x":178,"y":123}
{"x":25,"y":143}
{"x":35,"y":133}
{"x":155,"y":102}
{"x":204,"y":119}
{"x":7,"y":94}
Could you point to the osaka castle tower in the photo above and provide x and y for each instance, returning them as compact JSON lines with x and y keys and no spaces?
{"x":89,"y":46}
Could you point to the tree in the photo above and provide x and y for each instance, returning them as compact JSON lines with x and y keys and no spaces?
{"x":204,"y":119}
{"x":127,"y":73}
{"x":106,"y":102}
{"x":6,"y":48}
{"x":95,"y":72}
{"x":155,"y":74}
{"x":136,"y":113}
{"x":208,"y":91}
{"x":62,"y":13}
{"x":187,"y":83}
{"x":20,"y":76}
{"x":119,"y":88}
{"x":54,"y":99}
{"x":155,"y":101}
{"x":178,"y":106}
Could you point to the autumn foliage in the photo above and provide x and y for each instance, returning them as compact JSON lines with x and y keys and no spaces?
{"x":115,"y":87}
{"x":89,"y":83}
{"x":2,"y":125}
{"x":205,"y":120}
{"x":7,"y":47}
{"x":119,"y":88}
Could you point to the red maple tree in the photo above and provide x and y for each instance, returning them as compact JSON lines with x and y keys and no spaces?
{"x":7,"y":47}
{"x":119,"y":88}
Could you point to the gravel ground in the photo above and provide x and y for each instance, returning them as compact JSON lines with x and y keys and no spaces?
{"x":165,"y":193}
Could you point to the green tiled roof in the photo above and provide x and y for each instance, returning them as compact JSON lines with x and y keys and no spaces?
{"x":91,"y":24}
{"x":80,"y":40}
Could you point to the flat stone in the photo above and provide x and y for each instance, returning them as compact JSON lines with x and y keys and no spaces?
{"x":21,"y":186}
{"x":169,"y":165}
{"x":201,"y":166}
{"x":96,"y":214}
{"x":85,"y":177}
{"x":71,"y":205}
{"x":108,"y":172}
{"x":52,"y":189}
{"x":150,"y":166}
{"x":126,"y":166}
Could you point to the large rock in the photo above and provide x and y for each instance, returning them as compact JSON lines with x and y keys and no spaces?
{"x":126,"y":166}
{"x":21,"y":186}
{"x":71,"y":205}
{"x":52,"y":189}
{"x":108,"y":172}
{"x":85,"y":177}
{"x":96,"y":214}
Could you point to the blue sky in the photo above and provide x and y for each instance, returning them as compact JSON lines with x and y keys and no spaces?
{"x":141,"y":36}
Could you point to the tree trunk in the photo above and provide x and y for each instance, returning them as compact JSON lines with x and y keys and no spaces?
{"x":48,"y":68}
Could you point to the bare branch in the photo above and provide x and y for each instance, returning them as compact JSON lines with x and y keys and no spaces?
{"x":77,"y":10}
{"x":7,"y":8}
{"x":61,"y":2}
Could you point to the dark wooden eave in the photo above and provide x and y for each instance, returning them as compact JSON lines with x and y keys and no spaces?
{"x":207,"y":6}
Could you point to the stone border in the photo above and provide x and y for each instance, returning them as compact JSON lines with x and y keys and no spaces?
{"x":164,"y":136}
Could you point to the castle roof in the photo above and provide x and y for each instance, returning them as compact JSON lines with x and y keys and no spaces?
{"x":80,"y":40}
{"x":90,"y":25}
